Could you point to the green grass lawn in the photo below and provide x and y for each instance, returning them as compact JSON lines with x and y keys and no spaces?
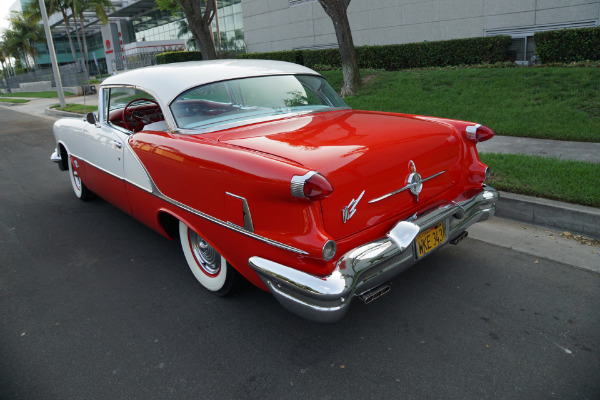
{"x":4,"y":100}
{"x":43,"y":95}
{"x":547,"y":102}
{"x":569,"y":181}
{"x":76,"y":108}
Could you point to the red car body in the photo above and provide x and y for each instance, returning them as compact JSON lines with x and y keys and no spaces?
{"x":316,"y":208}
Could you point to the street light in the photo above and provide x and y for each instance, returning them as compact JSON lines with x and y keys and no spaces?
{"x":59,"y":88}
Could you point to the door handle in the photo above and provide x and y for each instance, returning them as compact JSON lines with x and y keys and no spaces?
{"x":118,"y":145}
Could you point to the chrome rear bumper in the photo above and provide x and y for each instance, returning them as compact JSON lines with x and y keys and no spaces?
{"x":327,"y":299}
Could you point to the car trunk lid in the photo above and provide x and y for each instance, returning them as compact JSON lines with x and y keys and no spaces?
{"x":362,"y":154}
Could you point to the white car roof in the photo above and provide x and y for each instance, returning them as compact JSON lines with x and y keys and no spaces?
{"x":168,"y":80}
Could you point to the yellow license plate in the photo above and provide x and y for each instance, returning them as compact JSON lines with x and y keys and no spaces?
{"x":430,"y":239}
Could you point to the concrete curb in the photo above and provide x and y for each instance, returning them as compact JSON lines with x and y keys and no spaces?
{"x":59,"y":113}
{"x":550,"y":213}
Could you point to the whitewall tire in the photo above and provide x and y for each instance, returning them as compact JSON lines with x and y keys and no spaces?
{"x":81,"y":191}
{"x":209,"y":267}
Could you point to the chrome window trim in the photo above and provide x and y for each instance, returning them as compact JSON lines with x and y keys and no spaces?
{"x":166,"y":110}
{"x":256,"y":120}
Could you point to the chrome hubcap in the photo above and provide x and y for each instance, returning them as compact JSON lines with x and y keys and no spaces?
{"x":206,"y":256}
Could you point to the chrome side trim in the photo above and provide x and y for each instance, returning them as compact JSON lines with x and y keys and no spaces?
{"x":229,"y":225}
{"x":409,"y":186}
{"x":156,"y":192}
{"x":368,"y":266}
{"x":248,"y":225}
{"x":111,"y":174}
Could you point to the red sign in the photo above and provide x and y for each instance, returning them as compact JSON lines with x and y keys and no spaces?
{"x":107,"y":44}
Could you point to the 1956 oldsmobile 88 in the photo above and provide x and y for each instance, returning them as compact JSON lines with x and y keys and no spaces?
{"x":263,"y":172}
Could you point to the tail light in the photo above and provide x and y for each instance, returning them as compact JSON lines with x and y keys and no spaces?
{"x":478,"y":133}
{"x":312,"y":186}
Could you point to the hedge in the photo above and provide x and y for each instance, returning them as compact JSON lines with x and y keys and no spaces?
{"x":568,"y":45}
{"x":294,"y":56}
{"x":178,"y":56}
{"x":402,"y":56}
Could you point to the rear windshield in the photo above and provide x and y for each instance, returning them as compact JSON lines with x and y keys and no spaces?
{"x":235,"y":102}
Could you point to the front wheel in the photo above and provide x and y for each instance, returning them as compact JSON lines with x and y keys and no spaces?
{"x":81,"y":191}
{"x":208,"y":266}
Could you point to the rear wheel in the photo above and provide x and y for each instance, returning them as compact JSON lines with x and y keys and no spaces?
{"x":81,"y":191}
{"x":208,"y":266}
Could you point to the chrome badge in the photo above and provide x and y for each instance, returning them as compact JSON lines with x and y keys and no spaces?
{"x":415,"y":182}
{"x":350,"y":209}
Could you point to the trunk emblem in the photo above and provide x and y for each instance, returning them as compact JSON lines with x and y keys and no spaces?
{"x":350,"y":209}
{"x":414,"y":184}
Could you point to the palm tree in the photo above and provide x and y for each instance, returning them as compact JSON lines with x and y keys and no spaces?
{"x":24,"y":33}
{"x":99,"y":7}
{"x":63,"y":6}
{"x":5,"y":59}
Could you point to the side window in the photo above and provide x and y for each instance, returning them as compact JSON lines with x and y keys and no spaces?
{"x":131,"y":108}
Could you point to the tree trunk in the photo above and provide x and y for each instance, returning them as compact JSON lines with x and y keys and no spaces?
{"x":66,"y":19}
{"x":85,"y":48}
{"x":337,"y":11}
{"x":200,"y":26}
{"x":79,"y":45}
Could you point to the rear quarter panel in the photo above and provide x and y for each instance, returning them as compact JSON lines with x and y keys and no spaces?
{"x":198,"y":172}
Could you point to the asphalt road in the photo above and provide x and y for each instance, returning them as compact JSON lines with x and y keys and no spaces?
{"x":94,"y":305}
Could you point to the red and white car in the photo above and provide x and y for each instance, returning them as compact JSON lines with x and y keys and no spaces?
{"x":264,"y":173}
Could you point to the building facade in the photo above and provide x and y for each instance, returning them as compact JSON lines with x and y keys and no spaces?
{"x":273,"y":25}
{"x":137,"y":30}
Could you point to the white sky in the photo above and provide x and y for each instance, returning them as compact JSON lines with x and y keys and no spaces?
{"x":4,"y":14}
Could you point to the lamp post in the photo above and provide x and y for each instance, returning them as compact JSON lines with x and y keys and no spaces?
{"x":59,"y":88}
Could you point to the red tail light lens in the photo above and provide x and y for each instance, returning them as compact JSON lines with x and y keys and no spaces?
{"x":312,"y":186}
{"x":478,"y":133}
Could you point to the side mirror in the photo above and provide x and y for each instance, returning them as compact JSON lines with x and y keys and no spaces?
{"x":91,"y":118}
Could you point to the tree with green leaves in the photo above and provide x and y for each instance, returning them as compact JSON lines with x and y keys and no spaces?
{"x":338,"y":12}
{"x":53,"y":6}
{"x":23,"y":34}
{"x":99,"y":7}
{"x":199,"y":14}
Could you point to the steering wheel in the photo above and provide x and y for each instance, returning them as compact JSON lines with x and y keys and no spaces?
{"x":135,"y":120}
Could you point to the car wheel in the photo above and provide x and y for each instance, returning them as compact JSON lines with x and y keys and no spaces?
{"x":81,"y":191}
{"x":208,"y":266}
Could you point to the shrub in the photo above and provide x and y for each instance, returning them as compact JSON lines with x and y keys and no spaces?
{"x":294,"y":56}
{"x":331,"y":57}
{"x":178,"y":56}
{"x":568,"y":45}
{"x":488,"y":50}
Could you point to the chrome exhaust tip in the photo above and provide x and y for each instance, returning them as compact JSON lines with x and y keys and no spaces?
{"x":374,"y":294}
{"x":459,"y":238}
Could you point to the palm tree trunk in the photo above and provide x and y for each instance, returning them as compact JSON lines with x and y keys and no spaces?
{"x":66,"y":20}
{"x":84,"y":42}
{"x":77,"y":33}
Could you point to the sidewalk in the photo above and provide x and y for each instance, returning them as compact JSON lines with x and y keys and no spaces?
{"x":41,"y":107}
{"x":532,"y":210}
{"x":579,"y":151}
